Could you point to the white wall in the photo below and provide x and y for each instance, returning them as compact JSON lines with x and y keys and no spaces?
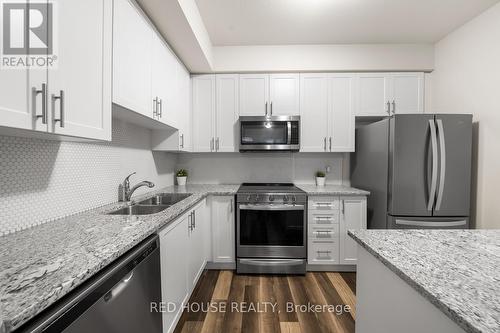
{"x":209,"y":168}
{"x":467,"y":80}
{"x":349,"y":57}
{"x":41,"y":180}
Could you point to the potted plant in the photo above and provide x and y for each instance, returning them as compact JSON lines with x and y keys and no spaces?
{"x":320,"y":178}
{"x":181,"y":177}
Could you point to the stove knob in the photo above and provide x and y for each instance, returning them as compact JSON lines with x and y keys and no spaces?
{"x":285,"y":198}
{"x":294,"y":198}
{"x":271,"y":198}
{"x":256,"y":198}
{"x":248,"y":197}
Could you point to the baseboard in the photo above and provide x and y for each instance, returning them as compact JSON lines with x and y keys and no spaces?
{"x":331,"y":268}
{"x":220,"y":265}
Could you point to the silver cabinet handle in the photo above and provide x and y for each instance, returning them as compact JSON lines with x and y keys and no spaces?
{"x":442,"y":153}
{"x":393,"y":107}
{"x":35,"y":93}
{"x":330,"y":143}
{"x":324,"y":143}
{"x":217,"y":144}
{"x":324,"y":252}
{"x":343,"y":207}
{"x":432,"y":192}
{"x":155,"y":107}
{"x":231,"y":207}
{"x":194,"y":219}
{"x":271,"y":108}
{"x":182,"y":141}
{"x":266,"y":108}
{"x":161,"y":108}
{"x":61,"y":105}
{"x":388,"y":108}
{"x":212,"y":144}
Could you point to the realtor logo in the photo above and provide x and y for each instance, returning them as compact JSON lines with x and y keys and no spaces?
{"x":27,"y":34}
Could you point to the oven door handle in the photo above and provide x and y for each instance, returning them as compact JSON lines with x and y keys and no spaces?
{"x":272,"y":262}
{"x":271,"y":207}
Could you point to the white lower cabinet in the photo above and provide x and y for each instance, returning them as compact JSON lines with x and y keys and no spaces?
{"x":329,"y":218}
{"x":183,"y":258}
{"x":223,"y":243}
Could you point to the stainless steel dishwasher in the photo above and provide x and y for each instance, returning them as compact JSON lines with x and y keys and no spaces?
{"x":116,"y":300}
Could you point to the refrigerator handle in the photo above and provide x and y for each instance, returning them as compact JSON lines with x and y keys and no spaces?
{"x":432,"y":193}
{"x":442,"y":153}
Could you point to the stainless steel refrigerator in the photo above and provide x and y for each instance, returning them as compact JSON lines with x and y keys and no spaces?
{"x":418,"y":170}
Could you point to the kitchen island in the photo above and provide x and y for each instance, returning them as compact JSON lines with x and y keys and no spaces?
{"x":428,"y":281}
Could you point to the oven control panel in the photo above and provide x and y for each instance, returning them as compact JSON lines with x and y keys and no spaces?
{"x":272,"y":198}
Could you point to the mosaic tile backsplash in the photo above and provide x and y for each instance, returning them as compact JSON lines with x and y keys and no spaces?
{"x":41,"y":180}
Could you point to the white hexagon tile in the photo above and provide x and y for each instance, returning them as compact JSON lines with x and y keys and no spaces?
{"x":41,"y":180}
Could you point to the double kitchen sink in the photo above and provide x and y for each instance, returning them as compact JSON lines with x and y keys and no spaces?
{"x":152,"y":205}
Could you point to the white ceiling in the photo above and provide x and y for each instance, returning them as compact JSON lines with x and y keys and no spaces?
{"x":281,"y":22}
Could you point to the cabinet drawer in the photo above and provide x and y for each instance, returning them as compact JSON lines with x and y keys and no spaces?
{"x":323,"y":252}
{"x":323,"y":203}
{"x":323,"y":218}
{"x":327,"y":233}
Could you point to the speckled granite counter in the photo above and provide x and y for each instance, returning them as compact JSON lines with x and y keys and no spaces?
{"x":456,"y":270}
{"x":40,"y":265}
{"x":312,"y":189}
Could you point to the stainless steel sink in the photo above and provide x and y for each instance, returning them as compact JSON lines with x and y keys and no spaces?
{"x":165,"y":199}
{"x":139,"y":210}
{"x":152,"y":205}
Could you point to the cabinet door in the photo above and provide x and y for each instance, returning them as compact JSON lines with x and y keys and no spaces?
{"x":313,"y":112}
{"x":184,"y":111}
{"x":223,"y":244}
{"x":341,"y":116}
{"x":353,"y":216}
{"x":132,"y":44}
{"x":203,"y":113}
{"x":254,"y":94}
{"x":174,"y":287}
{"x":227,"y":112}
{"x":197,"y":242}
{"x":15,"y":92}
{"x":407,"y":93}
{"x":80,"y":86}
{"x":373,"y":94}
{"x":161,"y":73}
{"x":284,"y":94}
{"x":171,"y":103}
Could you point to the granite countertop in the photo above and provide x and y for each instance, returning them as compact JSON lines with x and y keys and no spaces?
{"x":312,"y":189}
{"x":456,"y":270}
{"x":41,"y":264}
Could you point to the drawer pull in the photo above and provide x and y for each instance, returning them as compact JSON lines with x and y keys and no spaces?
{"x":324,"y":233}
{"x":323,"y":253}
{"x":324,"y":204}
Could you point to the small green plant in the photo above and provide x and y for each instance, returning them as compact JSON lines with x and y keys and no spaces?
{"x":320,"y":174}
{"x":182,"y":173}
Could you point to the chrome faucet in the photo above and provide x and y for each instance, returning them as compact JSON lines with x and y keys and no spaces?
{"x":125,"y":190}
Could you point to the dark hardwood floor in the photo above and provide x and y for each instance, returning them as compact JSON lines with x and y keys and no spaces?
{"x":225,"y":302}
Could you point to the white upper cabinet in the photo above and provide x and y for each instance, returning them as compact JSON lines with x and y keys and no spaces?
{"x":284,"y":94}
{"x":341,"y":116}
{"x":314,"y":112}
{"x":215,"y":112}
{"x":254,"y":94}
{"x":161,"y":74}
{"x":408,"y":93}
{"x":327,"y":103}
{"x":383,"y":94}
{"x":373,"y":94}
{"x":227,"y":112}
{"x":132,"y":50}
{"x":80,"y":86}
{"x":203,"y":113}
{"x":73,"y":98}
{"x":269,"y":94}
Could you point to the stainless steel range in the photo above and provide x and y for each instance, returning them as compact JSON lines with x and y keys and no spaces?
{"x":271,"y":229}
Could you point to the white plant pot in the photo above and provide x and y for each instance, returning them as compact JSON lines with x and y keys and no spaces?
{"x":320,"y":181}
{"x":181,"y":181}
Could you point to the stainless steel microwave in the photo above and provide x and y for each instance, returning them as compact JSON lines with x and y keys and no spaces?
{"x":275,"y":133}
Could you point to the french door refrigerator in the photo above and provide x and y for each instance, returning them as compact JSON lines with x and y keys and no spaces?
{"x":418,"y":170}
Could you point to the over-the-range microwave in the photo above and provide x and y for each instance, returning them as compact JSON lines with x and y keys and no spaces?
{"x":274,"y":133}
